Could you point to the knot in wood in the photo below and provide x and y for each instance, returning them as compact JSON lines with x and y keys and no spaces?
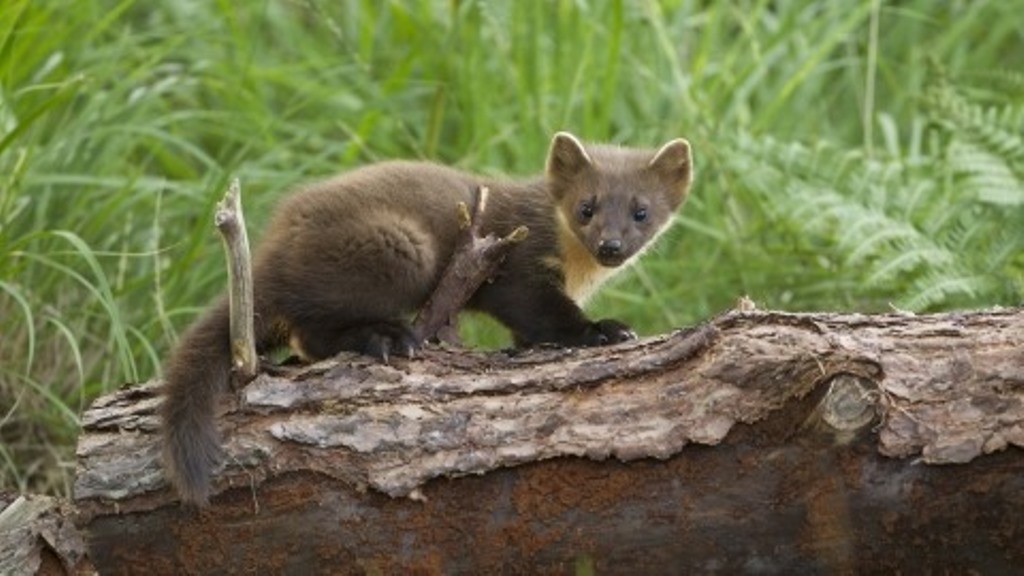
{"x":849,"y":403}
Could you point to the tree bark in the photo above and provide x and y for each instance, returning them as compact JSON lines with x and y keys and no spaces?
{"x":842,"y":443}
{"x":38,"y":537}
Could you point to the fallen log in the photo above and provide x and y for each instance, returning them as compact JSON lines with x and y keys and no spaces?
{"x":760,"y":441}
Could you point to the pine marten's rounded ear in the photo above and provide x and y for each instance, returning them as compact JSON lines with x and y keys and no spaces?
{"x":674,"y":161}
{"x":567,"y":156}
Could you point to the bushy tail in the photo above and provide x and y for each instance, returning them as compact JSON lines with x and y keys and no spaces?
{"x":197,"y":371}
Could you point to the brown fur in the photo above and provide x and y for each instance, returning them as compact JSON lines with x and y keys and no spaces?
{"x":346,"y":261}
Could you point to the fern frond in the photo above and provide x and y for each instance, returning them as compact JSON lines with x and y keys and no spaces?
{"x":987,"y":175}
{"x":921,"y":232}
{"x":986,"y":146}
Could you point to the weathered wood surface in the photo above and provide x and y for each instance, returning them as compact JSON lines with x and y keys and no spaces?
{"x":230,"y":222}
{"x":37,"y":536}
{"x":841,"y":443}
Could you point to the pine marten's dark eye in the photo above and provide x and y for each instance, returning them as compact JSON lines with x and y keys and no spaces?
{"x":586,"y":212}
{"x":640,"y":214}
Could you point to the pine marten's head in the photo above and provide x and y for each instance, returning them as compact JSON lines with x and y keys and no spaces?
{"x":617,"y":200}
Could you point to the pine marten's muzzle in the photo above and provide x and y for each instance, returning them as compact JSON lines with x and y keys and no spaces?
{"x":610,"y":252}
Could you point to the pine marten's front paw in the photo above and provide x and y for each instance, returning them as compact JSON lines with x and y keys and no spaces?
{"x":608,"y":331}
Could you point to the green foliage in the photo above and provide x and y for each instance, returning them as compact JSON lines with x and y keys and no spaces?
{"x":837,"y":168}
{"x":933,"y":224}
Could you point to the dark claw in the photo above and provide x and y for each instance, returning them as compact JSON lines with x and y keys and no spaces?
{"x":409,"y":351}
{"x":388,"y":338}
{"x":377,"y":346}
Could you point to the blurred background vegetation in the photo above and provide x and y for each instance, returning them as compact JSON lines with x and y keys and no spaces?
{"x":852,"y":156}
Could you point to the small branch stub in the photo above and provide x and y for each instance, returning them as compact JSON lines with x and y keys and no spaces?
{"x":474,"y":261}
{"x":231,"y":224}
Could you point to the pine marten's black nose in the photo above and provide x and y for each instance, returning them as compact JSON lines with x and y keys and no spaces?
{"x":609,"y":248}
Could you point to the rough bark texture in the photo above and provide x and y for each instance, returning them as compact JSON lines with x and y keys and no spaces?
{"x":37,"y":536}
{"x":841,"y":444}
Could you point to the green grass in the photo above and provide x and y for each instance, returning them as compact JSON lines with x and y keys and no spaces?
{"x":850,"y":156}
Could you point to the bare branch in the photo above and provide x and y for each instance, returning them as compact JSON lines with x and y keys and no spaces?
{"x":474,"y":261}
{"x":230,"y":222}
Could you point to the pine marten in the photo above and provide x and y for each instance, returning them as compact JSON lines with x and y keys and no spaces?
{"x":345,"y":262}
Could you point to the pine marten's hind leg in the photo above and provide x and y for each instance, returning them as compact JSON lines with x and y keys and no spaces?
{"x":380,"y":339}
{"x":347,"y":281}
